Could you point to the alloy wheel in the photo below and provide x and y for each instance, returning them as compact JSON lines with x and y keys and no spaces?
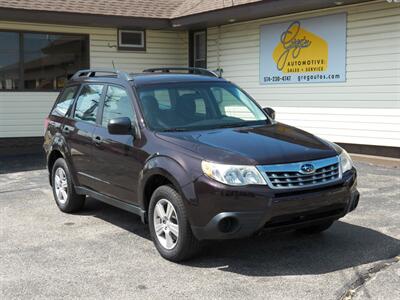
{"x":61,"y":185}
{"x":166,"y":224}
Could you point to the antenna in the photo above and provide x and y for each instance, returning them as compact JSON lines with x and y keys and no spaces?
{"x":113,"y":64}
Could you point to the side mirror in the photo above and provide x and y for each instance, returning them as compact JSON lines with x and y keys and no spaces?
{"x":121,"y":126}
{"x":270,"y":112}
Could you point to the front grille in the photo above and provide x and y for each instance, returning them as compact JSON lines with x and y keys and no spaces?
{"x":289,"y":176}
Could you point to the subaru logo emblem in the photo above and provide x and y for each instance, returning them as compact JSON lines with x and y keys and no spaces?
{"x":307,"y":169}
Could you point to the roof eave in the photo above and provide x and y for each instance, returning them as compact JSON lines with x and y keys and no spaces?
{"x":253,"y":11}
{"x":78,"y":19}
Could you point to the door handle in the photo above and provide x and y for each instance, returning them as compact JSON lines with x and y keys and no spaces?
{"x":97,"y":140}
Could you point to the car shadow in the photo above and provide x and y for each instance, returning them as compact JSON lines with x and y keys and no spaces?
{"x":343,"y":246}
{"x":22,"y":163}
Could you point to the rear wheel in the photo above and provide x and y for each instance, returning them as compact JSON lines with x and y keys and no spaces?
{"x":314,"y":229}
{"x":63,"y":189}
{"x":169,"y":226}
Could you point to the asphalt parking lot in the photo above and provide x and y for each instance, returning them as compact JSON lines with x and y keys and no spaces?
{"x":104,"y":252}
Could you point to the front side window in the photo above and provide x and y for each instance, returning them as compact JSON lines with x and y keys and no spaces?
{"x":40,"y":61}
{"x":88,"y":103}
{"x":117,"y":104}
{"x":65,"y":101}
{"x":199,"y":106}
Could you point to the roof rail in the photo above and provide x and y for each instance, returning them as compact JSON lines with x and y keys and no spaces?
{"x":199,"y":71}
{"x":92,"y":73}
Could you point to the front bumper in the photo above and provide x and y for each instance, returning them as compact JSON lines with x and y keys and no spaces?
{"x":224,"y":212}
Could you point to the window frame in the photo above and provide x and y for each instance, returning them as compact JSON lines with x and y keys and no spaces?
{"x":21,"y":56}
{"x":103,"y":99}
{"x":78,"y":89}
{"x":71,"y":114}
{"x":128,"y":47}
{"x":191,"y":46}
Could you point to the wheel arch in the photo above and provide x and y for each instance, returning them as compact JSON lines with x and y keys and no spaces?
{"x":164,"y":171}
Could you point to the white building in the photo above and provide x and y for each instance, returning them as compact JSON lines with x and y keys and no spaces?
{"x":359,"y":106}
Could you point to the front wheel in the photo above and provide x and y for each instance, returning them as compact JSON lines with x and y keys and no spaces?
{"x":169,"y":226}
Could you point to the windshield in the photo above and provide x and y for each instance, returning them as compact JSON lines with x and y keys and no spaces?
{"x":198,"y":106}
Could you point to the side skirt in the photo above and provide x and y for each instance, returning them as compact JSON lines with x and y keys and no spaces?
{"x":112,"y":201}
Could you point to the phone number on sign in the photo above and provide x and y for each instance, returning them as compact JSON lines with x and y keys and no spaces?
{"x":277,"y":78}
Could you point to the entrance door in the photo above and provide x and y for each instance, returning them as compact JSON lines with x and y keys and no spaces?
{"x":198,"y":49}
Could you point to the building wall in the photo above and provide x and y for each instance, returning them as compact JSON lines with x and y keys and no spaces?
{"x":363,"y":110}
{"x":22,"y":114}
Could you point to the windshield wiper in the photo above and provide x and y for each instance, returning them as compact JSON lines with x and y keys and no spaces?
{"x":232,"y":125}
{"x":176,"y":129}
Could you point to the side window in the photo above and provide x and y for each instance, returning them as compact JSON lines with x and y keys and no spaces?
{"x":88,"y":103}
{"x":232,"y":105}
{"x":200,"y":106}
{"x":65,"y":101}
{"x":163,"y":99}
{"x":117,"y":104}
{"x":199,"y":101}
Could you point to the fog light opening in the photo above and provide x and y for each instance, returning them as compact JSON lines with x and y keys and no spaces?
{"x":228,"y":224}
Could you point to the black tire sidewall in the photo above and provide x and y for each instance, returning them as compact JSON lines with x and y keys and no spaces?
{"x":167,"y":192}
{"x":60,"y":163}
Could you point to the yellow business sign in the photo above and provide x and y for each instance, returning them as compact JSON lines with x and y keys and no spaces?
{"x":309,"y":50}
{"x":300,"y":50}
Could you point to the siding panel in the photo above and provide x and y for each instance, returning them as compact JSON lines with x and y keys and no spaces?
{"x":365,"y":109}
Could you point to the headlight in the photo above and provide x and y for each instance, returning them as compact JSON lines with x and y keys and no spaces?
{"x":232,"y":175}
{"x":345,"y":161}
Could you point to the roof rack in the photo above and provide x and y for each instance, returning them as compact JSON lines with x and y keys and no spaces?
{"x":199,"y":71}
{"x":92,"y":73}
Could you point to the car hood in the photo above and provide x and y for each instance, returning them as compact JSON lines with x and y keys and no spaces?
{"x":260,"y":145}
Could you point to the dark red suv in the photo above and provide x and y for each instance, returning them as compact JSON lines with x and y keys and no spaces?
{"x":193,"y":155}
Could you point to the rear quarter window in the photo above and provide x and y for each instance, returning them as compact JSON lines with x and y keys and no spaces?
{"x":65,"y":101}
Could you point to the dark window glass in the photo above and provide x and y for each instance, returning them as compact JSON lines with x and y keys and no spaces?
{"x":131,"y":38}
{"x":65,"y":101}
{"x":9,"y":60}
{"x":117,"y":104}
{"x":198,"y":106}
{"x":50,"y":59}
{"x":200,"y":49}
{"x":88,"y":103}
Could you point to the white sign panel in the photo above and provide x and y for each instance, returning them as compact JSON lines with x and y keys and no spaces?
{"x":304,"y":51}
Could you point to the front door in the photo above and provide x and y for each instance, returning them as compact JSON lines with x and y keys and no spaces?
{"x":198,"y":49}
{"x":116,"y":156}
{"x":78,"y":130}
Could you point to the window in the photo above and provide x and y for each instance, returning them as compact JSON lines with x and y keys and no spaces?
{"x":134,"y":40}
{"x":198,"y":106}
{"x":88,"y":103}
{"x":198,"y":49}
{"x":65,"y":101}
{"x":40,"y":61}
{"x":9,"y":61}
{"x":117,"y":104}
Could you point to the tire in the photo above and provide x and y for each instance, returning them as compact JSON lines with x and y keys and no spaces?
{"x":314,"y":229}
{"x":66,"y":198}
{"x":185,"y":245}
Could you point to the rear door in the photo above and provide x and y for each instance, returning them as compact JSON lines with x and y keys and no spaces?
{"x":117,"y":156}
{"x":78,"y":131}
